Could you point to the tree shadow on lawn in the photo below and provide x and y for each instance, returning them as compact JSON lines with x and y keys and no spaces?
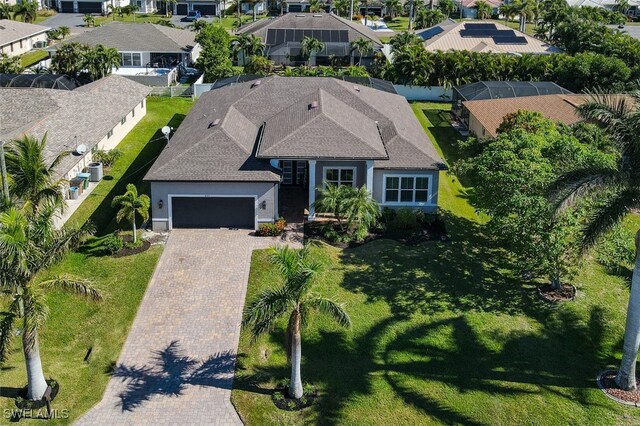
{"x":470,"y":272}
{"x":103,"y":217}
{"x":564,"y":354}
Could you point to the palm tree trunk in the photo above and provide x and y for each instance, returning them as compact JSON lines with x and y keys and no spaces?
{"x":36,"y":383}
{"x":135,"y":237}
{"x":523,"y":22}
{"x":555,"y":283}
{"x":295,"y":390}
{"x":254,"y":12}
{"x":626,"y":378}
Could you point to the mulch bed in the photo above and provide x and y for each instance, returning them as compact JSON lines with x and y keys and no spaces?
{"x":607,"y":383}
{"x":26,"y":404}
{"x":281,"y":399}
{"x":126,"y":251}
{"x":566,"y":293}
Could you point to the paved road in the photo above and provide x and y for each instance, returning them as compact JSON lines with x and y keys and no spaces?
{"x":177,"y":364}
{"x":71,"y":20}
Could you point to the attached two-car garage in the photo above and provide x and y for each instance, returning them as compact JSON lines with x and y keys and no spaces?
{"x":213,"y":212}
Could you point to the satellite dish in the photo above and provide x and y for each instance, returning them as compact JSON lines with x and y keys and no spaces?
{"x":166,"y":130}
{"x":81,"y":149}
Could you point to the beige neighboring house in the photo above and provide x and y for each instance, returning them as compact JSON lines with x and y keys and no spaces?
{"x":480,"y":36}
{"x":96,"y":116}
{"x":17,"y":38}
{"x":485,"y":116}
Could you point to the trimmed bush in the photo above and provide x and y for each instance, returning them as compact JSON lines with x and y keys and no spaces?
{"x":112,"y":243}
{"x":272,"y":229}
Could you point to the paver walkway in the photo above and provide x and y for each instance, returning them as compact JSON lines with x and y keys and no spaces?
{"x":177,"y":364}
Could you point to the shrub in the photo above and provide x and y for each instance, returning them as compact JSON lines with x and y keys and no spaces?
{"x":112,"y":243}
{"x":272,"y":229}
{"x":134,"y":244}
{"x":107,"y":158}
{"x":405,"y":219}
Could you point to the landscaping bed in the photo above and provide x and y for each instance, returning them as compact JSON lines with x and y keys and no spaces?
{"x":565,"y":293}
{"x":607,"y":382}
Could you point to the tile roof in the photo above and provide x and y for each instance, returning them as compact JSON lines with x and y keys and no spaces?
{"x":11,"y":31}
{"x":325,"y":21}
{"x":491,"y":112}
{"x":87,"y":113}
{"x":136,"y":38}
{"x":451,"y":39}
{"x":233,"y":131}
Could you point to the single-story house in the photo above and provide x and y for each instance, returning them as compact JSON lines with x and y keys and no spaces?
{"x":207,"y":8}
{"x":17,"y":37}
{"x":488,"y":37}
{"x":632,"y":11}
{"x":467,"y":7}
{"x":151,"y":54}
{"x":244,"y":149}
{"x":88,"y":6}
{"x":96,"y":116}
{"x":298,"y":6}
{"x":282,"y":36}
{"x":485,"y":116}
{"x":500,"y":90}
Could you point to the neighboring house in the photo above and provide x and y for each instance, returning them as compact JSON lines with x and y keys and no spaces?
{"x":299,"y":6}
{"x":151,"y":54}
{"x":500,"y":90}
{"x":283,"y":35}
{"x":632,"y":12}
{"x":17,"y":38}
{"x":206,"y":8}
{"x":490,"y":37}
{"x":89,"y":6}
{"x":260,"y":6}
{"x":467,"y":7}
{"x":485,"y":116}
{"x":246,"y":149}
{"x":97,"y":115}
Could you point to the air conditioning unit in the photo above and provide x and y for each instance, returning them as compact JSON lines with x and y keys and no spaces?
{"x":40,"y":44}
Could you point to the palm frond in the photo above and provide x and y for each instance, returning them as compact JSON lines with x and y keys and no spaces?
{"x":74,"y":286}
{"x":331,"y":308}
{"x":609,"y":214}
{"x":568,"y":188}
{"x":262,"y":313}
{"x":7,"y":331}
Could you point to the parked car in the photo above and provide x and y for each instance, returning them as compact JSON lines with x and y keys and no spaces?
{"x":193,"y":15}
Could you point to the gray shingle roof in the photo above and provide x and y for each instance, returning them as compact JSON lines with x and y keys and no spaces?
{"x":136,"y":38}
{"x":325,"y":21}
{"x":11,"y":31}
{"x":257,"y":122}
{"x":88,"y":113}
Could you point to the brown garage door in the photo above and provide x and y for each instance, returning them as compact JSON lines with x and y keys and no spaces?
{"x":213,"y":212}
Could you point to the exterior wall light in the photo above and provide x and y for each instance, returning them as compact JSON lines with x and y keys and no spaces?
{"x":160,"y":204}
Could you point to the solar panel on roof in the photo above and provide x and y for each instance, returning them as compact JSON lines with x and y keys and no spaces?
{"x":430,"y":33}
{"x":478,"y":33}
{"x":509,"y":40}
{"x":477,"y":26}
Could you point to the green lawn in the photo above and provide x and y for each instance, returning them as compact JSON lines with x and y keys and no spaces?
{"x":74,"y":326}
{"x":138,"y":18}
{"x":31,"y":58}
{"x":443,"y":333}
{"x":399,"y":23}
{"x":140,"y":147}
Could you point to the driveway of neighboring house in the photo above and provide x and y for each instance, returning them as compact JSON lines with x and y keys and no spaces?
{"x":178,"y":361}
{"x":72,"y":20}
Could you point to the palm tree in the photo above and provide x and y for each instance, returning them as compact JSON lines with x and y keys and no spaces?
{"x":28,"y":10}
{"x":360,"y":209}
{"x":89,"y":20}
{"x":169,"y":6}
{"x":404,"y":40}
{"x":508,"y":11}
{"x":247,"y":45}
{"x":29,"y":244}
{"x":309,"y":47}
{"x":132,"y":204}
{"x":64,"y":31}
{"x":330,"y":200}
{"x":342,"y":7}
{"x":619,"y":191}
{"x":363,"y":46}
{"x":107,"y":59}
{"x":483,"y":9}
{"x":393,"y":7}
{"x":114,"y":10}
{"x":525,"y":9}
{"x":5,"y":10}
{"x":31,"y":179}
{"x":315,"y":6}
{"x":294,"y":300}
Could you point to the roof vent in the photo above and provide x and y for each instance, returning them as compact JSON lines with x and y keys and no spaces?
{"x":317,"y":16}
{"x":356,"y":88}
{"x":256,"y":83}
{"x":313,"y":105}
{"x":214,"y":123}
{"x":299,"y":16}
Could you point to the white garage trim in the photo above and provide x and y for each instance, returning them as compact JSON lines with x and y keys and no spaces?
{"x":171,"y":196}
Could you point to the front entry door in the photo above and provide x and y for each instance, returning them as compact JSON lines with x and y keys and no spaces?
{"x":294,"y":172}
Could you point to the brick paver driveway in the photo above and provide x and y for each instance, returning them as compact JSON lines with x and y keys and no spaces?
{"x":177,"y":364}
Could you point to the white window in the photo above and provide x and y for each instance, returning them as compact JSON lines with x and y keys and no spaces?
{"x":131,"y":59}
{"x":339,"y":176}
{"x":405,"y":189}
